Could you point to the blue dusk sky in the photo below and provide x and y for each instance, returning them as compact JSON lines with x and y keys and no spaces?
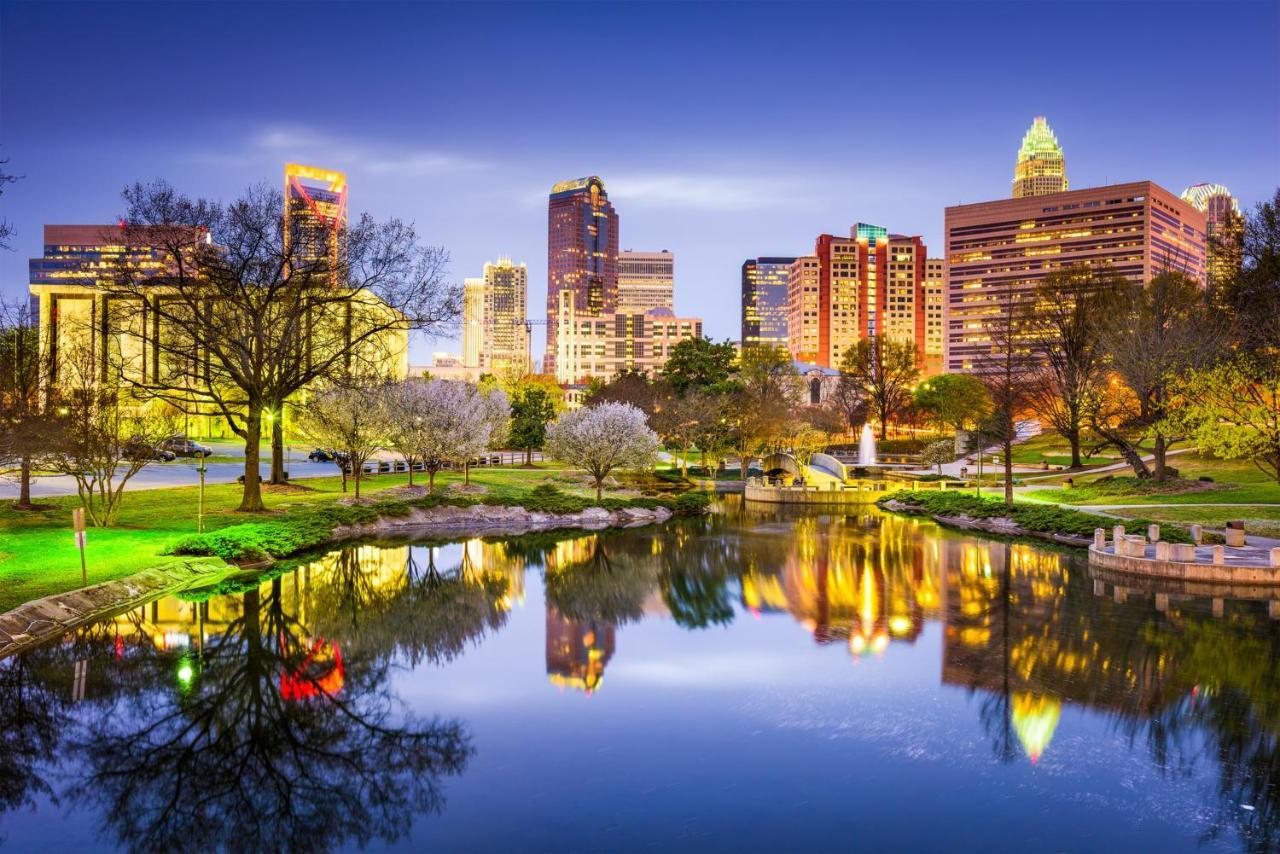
{"x":722,"y":131}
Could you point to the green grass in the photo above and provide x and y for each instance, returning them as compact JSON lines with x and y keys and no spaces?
{"x":1234,"y":482}
{"x":1040,"y":518}
{"x":38,"y":555}
{"x":1263,"y":521}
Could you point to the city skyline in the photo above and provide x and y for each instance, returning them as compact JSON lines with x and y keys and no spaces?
{"x":688,"y":180}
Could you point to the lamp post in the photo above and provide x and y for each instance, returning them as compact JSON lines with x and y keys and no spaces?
{"x":200,"y":506}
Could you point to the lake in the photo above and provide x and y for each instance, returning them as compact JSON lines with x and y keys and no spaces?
{"x":757,"y":680}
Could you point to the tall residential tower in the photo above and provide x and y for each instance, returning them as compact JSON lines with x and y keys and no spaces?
{"x":495,"y":334}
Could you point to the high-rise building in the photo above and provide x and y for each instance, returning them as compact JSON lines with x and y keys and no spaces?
{"x":935,"y":302}
{"x":582,"y":253}
{"x":1224,"y":229}
{"x":804,"y":315}
{"x":765,"y":284}
{"x":473,"y":322}
{"x":869,"y":283}
{"x":495,"y":333}
{"x":1041,"y":168}
{"x":646,"y":280}
{"x":1000,"y":251}
{"x":315,"y":221}
{"x":604,"y":345}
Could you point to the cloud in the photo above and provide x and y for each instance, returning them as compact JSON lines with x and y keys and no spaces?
{"x":708,"y":192}
{"x":350,"y":154}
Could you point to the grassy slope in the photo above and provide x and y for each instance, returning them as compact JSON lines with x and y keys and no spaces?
{"x":38,"y":554}
{"x":1236,"y":482}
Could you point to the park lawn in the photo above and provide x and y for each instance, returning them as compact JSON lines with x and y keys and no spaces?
{"x":38,"y":554}
{"x":1234,"y":482}
{"x":1263,"y":521}
{"x":1052,"y":446}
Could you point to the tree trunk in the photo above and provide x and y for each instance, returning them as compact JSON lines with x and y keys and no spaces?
{"x":356,"y":471}
{"x":1159,"y":452}
{"x":466,"y":472}
{"x":1074,"y":439}
{"x":408,"y":463}
{"x":277,"y":448}
{"x":431,"y":481}
{"x":24,"y":485}
{"x":599,"y":489}
{"x":251,"y":498}
{"x":1008,"y":470}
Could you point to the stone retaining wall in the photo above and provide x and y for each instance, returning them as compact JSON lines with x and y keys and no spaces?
{"x":1246,"y":568}
{"x":53,"y":616}
{"x":800,"y":495}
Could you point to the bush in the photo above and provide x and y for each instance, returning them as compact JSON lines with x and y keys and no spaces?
{"x":691,"y":504}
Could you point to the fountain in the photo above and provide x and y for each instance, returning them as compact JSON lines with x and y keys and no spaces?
{"x":867,"y":447}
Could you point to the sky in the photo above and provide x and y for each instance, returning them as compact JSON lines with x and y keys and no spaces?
{"x":722,"y":131}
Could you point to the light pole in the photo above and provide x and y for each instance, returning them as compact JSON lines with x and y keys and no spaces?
{"x":200,"y":511}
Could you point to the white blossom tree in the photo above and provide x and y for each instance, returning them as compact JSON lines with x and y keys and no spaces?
{"x":404,"y":405}
{"x":349,"y":420}
{"x":443,"y":421}
{"x":603,"y":438}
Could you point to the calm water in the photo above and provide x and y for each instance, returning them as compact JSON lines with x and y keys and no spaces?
{"x":753,"y":681}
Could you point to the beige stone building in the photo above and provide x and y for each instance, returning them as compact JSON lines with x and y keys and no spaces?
{"x":604,"y":345}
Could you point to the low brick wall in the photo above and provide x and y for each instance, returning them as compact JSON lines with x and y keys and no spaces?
{"x":1150,"y":567}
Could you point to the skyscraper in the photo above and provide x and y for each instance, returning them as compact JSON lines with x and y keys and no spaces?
{"x":582,"y":253}
{"x":473,"y":322}
{"x":804,"y":316}
{"x":1000,"y":251}
{"x":765,"y":283}
{"x":315,"y":221}
{"x":1041,"y":168}
{"x":495,"y":334}
{"x":646,"y":280}
{"x":1224,"y":229}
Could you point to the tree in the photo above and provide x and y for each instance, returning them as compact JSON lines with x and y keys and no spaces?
{"x":1253,"y":295}
{"x":955,"y":401}
{"x":939,"y":453}
{"x":1063,"y":331}
{"x":1232,"y":410}
{"x":244,"y":317}
{"x":26,"y":423}
{"x":633,"y":387}
{"x":1154,"y":334}
{"x":351,"y":420}
{"x":678,"y":421}
{"x":603,"y":438}
{"x":886,"y":368}
{"x":768,"y":391}
{"x":698,"y":363}
{"x":1006,"y":371}
{"x":98,"y":439}
{"x":6,"y":228}
{"x":533,"y":405}
{"x":715,"y":431}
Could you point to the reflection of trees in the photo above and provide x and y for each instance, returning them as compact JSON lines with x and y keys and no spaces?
{"x":439,"y":612}
{"x":609,"y":584}
{"x":234,"y":760}
{"x":698,"y":560}
{"x":31,"y":720}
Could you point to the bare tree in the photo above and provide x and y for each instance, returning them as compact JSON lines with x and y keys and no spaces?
{"x":1007,"y":370}
{"x":26,"y":422}
{"x":1063,"y":331}
{"x":6,"y":228}
{"x":244,"y":318}
{"x":886,"y":369}
{"x":102,"y":439}
{"x":1154,"y":334}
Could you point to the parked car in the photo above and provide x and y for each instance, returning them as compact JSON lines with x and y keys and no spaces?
{"x":184,"y":447}
{"x":321,"y":455}
{"x":136,"y":449}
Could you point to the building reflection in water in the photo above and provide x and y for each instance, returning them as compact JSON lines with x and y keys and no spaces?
{"x":577,"y":651}
{"x":863,"y":580}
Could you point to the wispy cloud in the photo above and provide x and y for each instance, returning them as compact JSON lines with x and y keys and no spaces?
{"x":725,"y":192}
{"x":307,"y":144}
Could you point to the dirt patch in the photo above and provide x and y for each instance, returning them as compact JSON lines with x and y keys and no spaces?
{"x":286,"y":488}
{"x":468,"y":488}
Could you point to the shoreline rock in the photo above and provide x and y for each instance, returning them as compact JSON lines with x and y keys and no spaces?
{"x":1000,"y":526}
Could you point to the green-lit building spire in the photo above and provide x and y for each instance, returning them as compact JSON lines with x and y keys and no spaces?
{"x":1041,"y":167}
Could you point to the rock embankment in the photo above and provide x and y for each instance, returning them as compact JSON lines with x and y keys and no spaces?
{"x":484,"y":520}
{"x":1001,"y":526}
{"x":53,"y":616}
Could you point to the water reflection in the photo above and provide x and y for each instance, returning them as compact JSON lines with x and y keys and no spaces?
{"x":265,"y":714}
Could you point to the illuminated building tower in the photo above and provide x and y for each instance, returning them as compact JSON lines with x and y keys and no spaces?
{"x":646,"y":280}
{"x":1000,"y":251}
{"x":1224,"y":230}
{"x":315,"y":222}
{"x":935,"y":301}
{"x":604,"y":345}
{"x":869,"y":283}
{"x":473,"y":322}
{"x":765,"y":282}
{"x":495,"y":334}
{"x":582,"y":253}
{"x":577,"y":651}
{"x":804,"y":318}
{"x":1041,"y":168}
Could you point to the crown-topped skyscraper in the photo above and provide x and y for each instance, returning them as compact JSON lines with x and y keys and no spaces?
{"x":1041,"y":167}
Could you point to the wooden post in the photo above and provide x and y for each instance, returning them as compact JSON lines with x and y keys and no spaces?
{"x":77,"y":525}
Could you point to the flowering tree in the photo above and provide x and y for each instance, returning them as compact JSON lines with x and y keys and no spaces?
{"x":351,"y":421}
{"x":403,"y":405}
{"x":603,"y":438}
{"x":443,"y":421}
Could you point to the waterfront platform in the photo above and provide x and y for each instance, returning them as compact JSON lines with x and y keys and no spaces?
{"x":1148,"y":556}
